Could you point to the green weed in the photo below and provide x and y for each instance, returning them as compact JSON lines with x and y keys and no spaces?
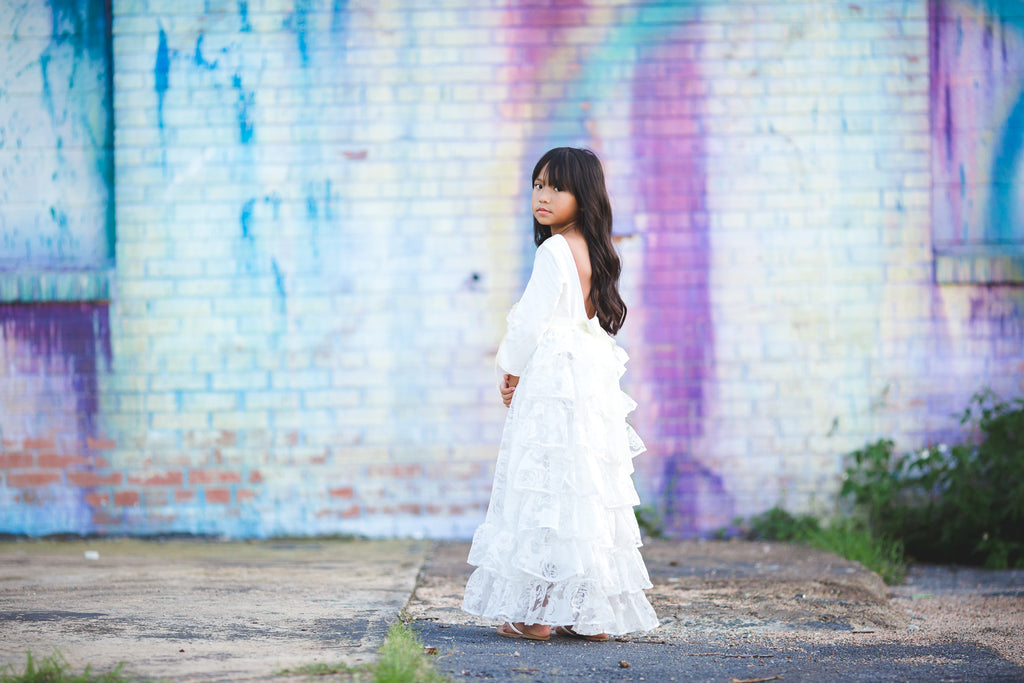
{"x":340,"y":670}
{"x":402,"y":660}
{"x":55,"y":669}
{"x":849,"y":538}
{"x":962,"y":504}
{"x":844,"y":536}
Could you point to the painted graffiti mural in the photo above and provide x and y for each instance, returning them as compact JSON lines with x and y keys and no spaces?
{"x":264,"y":298}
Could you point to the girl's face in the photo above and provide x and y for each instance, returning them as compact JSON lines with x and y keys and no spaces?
{"x":553,"y":206}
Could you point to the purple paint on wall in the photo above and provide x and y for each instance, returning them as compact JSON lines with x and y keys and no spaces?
{"x":676,"y":352}
{"x":75,"y":335}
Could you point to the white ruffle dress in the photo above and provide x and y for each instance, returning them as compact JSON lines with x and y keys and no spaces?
{"x":560,"y":543}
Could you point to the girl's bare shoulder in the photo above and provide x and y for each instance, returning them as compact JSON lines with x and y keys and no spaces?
{"x":580,"y":252}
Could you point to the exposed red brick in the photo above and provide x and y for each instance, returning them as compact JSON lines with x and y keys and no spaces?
{"x":343,"y":492}
{"x":351,"y":512}
{"x":16,"y":459}
{"x":100,"y":443}
{"x":157,"y":479}
{"x":40,"y":443}
{"x":124,"y":498}
{"x":227,"y":438}
{"x":409,"y":509}
{"x":242,"y":495}
{"x":104,"y":518}
{"x":213,"y":477}
{"x":90,"y":479}
{"x":218,"y":495}
{"x":28,"y":479}
{"x":184,"y":496}
{"x":58,"y":461}
{"x":255,"y":477}
{"x":97,"y":500}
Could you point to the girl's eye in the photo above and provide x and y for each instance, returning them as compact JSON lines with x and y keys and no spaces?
{"x":556,"y":189}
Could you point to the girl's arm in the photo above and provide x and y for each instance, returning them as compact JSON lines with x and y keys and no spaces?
{"x":532,"y":315}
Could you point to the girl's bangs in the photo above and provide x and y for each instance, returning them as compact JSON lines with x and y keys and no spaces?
{"x":559,"y":163}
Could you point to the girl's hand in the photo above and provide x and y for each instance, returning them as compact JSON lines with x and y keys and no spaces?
{"x":507,"y":388}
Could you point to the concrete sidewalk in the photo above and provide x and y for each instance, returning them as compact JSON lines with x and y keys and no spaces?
{"x":205,"y":611}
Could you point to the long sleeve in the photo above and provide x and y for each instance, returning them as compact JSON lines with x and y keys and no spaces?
{"x":531,"y":316}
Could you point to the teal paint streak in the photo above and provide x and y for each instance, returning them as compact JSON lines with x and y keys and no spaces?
{"x":161,"y":75}
{"x":243,"y":15}
{"x":243,"y":105}
{"x":1004,"y":224}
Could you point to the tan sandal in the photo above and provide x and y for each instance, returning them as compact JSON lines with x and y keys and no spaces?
{"x":567,"y":631}
{"x":516,"y":633}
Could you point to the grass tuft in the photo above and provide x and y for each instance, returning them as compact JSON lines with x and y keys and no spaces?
{"x":339,"y":669}
{"x":55,"y":669}
{"x":845,"y":536}
{"x":402,"y":659}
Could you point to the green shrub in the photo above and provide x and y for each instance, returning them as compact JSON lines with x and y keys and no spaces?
{"x":779,"y":525}
{"x":963,"y":504}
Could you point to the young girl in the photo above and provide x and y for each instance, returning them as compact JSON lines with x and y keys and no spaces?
{"x":559,"y":545}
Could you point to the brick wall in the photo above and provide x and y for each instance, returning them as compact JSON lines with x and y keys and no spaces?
{"x":321,"y":212}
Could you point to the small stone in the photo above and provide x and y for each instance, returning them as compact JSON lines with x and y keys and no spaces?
{"x":623,"y":664}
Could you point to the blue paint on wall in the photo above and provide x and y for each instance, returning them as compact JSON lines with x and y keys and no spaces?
{"x":1003,"y":219}
{"x":311,"y":210}
{"x":242,"y":110}
{"x":278,"y":279}
{"x":246,"y":219}
{"x":243,"y":14}
{"x":76,"y":93}
{"x":339,"y":14}
{"x":82,"y":24}
{"x":161,"y":74}
{"x":299,"y":24}
{"x":198,"y":58}
{"x":246,"y":254}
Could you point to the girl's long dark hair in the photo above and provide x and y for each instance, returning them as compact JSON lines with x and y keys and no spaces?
{"x":579,"y":172}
